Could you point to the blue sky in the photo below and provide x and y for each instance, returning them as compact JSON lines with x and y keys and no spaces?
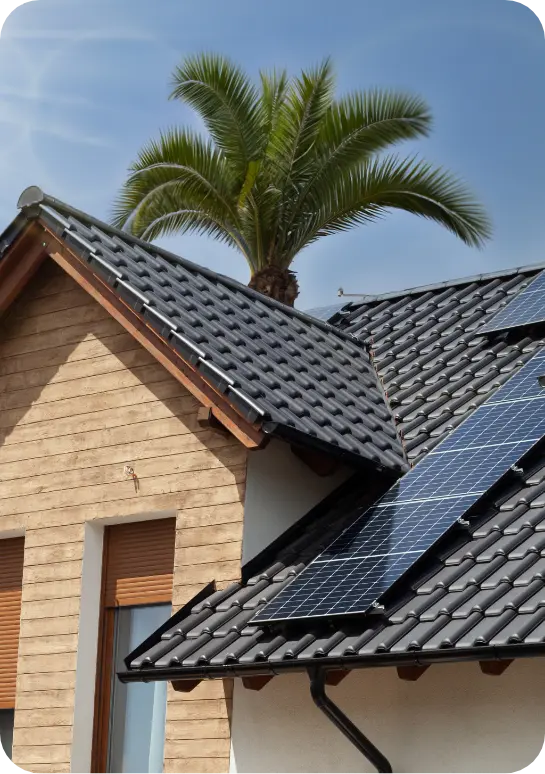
{"x":84,"y":83}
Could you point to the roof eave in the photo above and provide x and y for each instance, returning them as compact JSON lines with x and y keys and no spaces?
{"x":346,"y":663}
{"x":294,"y":436}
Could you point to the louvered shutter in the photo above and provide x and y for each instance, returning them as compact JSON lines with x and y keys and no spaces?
{"x":139,"y":563}
{"x":11,"y":582}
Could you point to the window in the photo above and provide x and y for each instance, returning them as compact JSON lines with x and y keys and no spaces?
{"x":138,"y":564}
{"x":137,"y":718}
{"x":6,"y":730}
{"x":11,"y":582}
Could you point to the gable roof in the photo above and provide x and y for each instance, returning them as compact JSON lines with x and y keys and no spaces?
{"x":479,"y":594}
{"x":282,"y":371}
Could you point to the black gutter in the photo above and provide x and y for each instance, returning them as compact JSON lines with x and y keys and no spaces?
{"x":414,"y":658}
{"x":344,"y":724}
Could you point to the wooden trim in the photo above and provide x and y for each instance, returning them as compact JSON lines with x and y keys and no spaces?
{"x":494,"y":668}
{"x":248,"y":434}
{"x":206,"y":419}
{"x":411,"y":673}
{"x":256,"y":682}
{"x":185,"y":686}
{"x":335,"y":676}
{"x":103,"y":679}
{"x":99,"y":758}
{"x":20,"y":264}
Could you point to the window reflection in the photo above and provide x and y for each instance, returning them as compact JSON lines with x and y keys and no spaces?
{"x":137,"y":718}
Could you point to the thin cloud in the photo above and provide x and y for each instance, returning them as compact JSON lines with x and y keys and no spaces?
{"x":77,"y":34}
{"x":72,"y":135}
{"x":45,"y":98}
{"x":9,"y":114}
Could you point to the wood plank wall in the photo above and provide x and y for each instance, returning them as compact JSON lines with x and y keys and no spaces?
{"x":79,"y":399}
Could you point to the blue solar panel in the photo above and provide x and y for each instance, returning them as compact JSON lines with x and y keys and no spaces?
{"x":526,"y":307}
{"x":384,"y":541}
{"x":325,"y":312}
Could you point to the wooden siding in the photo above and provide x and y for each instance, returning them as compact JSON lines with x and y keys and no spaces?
{"x":80,"y":399}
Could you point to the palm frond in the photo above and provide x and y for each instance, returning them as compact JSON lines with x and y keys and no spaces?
{"x":354,"y":129}
{"x":178,"y":159}
{"x":228,"y":103}
{"x":300,"y":116}
{"x":292,"y":144}
{"x":173,"y":211}
{"x":414,"y":186}
{"x":184,"y":221}
{"x":274,"y":87}
{"x":362,"y":124}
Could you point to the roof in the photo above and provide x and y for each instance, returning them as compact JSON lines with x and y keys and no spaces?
{"x":480,"y":594}
{"x":286,"y":372}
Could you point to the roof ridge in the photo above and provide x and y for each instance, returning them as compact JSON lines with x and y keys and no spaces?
{"x":33,"y":196}
{"x":374,"y":297}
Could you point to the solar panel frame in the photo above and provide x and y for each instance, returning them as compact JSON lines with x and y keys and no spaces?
{"x":527,"y":307}
{"x":385,"y":540}
{"x":326,"y":312}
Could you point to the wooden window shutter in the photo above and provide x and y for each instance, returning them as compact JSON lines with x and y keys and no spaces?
{"x":139,"y":563}
{"x":11,"y":584}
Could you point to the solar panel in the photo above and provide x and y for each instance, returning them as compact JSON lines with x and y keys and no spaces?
{"x":384,"y":541}
{"x":325,"y":312}
{"x":525,"y":308}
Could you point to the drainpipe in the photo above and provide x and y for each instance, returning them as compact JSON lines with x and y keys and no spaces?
{"x":338,"y":718}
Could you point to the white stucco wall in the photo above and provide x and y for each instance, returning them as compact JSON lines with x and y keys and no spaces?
{"x":280,"y":489}
{"x":453,"y":719}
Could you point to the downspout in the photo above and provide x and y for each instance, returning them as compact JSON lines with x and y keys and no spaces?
{"x":339,"y":719}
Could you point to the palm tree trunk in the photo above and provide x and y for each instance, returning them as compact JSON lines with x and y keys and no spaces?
{"x":280,"y":284}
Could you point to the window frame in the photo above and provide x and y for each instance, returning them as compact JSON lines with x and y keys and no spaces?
{"x":106,"y":654}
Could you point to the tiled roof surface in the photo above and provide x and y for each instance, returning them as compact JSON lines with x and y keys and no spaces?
{"x":427,"y":348}
{"x":486,"y":589}
{"x":483,"y":588}
{"x":294,"y":375}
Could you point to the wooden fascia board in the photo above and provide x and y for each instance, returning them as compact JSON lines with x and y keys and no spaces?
{"x":249,"y":435}
{"x":20,"y":263}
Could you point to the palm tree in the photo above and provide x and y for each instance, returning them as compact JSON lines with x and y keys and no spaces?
{"x":286,"y":163}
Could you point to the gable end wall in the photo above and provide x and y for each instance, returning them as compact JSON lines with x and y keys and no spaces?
{"x":80,"y":399}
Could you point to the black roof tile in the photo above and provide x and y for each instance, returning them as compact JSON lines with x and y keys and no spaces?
{"x":479,"y":590}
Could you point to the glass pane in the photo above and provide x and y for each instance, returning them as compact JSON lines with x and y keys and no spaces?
{"x":6,"y":730}
{"x":137,"y":720}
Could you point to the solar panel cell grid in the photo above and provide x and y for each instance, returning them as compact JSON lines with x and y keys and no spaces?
{"x":525,"y":308}
{"x":385,"y":541}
